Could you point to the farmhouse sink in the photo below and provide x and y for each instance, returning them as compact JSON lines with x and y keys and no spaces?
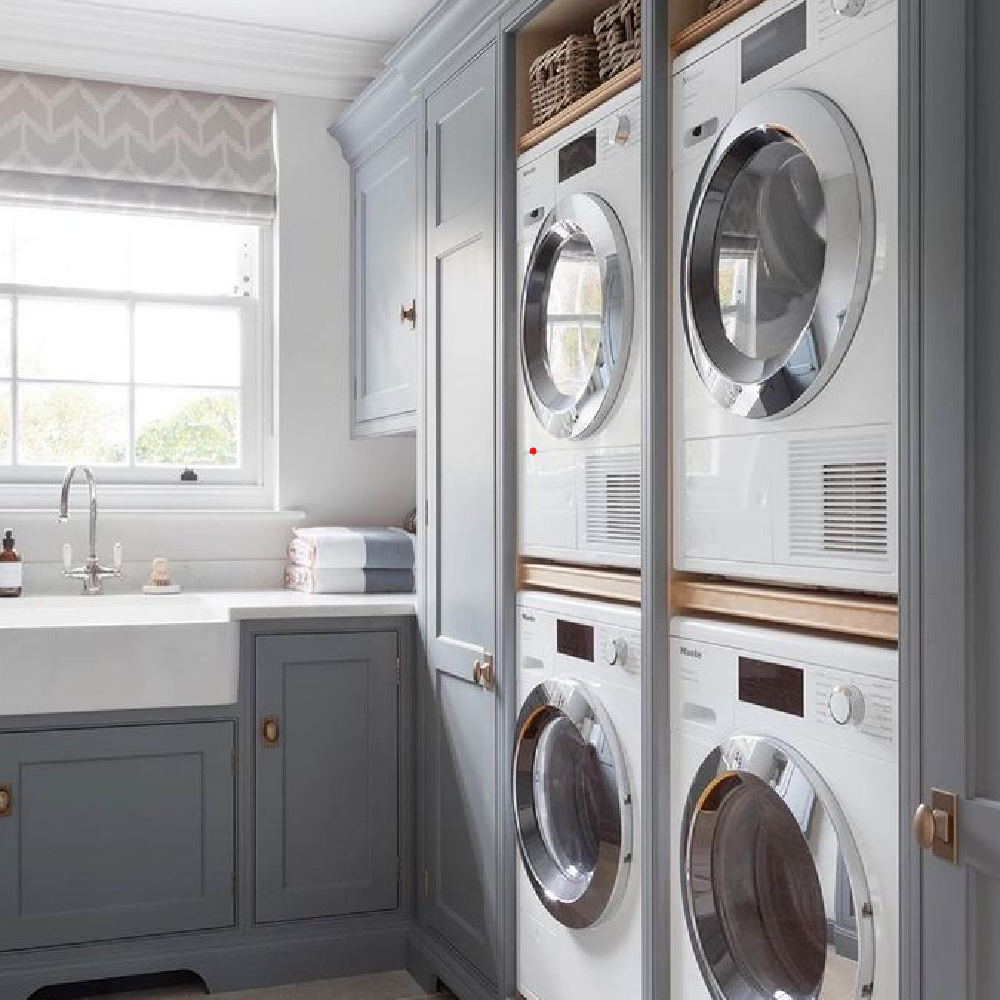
{"x":97,"y":654}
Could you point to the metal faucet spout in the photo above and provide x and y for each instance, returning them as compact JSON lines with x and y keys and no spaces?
{"x":92,"y":572}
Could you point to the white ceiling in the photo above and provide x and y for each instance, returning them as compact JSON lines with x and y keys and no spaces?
{"x":375,"y":20}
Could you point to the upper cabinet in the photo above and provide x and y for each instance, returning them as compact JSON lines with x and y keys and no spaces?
{"x":382,"y":146}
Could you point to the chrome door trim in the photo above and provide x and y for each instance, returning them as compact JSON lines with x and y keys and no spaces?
{"x":574,"y":906}
{"x":756,"y":758}
{"x":565,"y":416}
{"x":780,"y":385}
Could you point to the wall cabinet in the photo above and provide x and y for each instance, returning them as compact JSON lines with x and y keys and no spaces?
{"x":386,"y":308}
{"x":116,"y":832}
{"x":326,"y":778}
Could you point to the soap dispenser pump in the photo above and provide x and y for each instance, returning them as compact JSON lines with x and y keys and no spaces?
{"x":11,"y":577}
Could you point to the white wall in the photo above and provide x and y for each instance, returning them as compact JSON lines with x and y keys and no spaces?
{"x":322,"y":472}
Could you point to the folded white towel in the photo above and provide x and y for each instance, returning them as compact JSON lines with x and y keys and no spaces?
{"x":352,"y":548}
{"x":349,"y":581}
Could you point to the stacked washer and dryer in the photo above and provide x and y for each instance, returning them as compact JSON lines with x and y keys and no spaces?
{"x":576,"y":770}
{"x":784,"y":762}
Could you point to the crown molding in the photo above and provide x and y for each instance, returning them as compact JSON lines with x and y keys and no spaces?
{"x":97,"y":40}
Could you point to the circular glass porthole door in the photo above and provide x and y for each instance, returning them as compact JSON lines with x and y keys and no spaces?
{"x":576,"y":316}
{"x":572,"y":803}
{"x":778,"y":253}
{"x":775,"y":896}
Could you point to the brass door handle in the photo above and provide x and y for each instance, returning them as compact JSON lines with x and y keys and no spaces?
{"x":6,"y":800}
{"x":408,"y":314}
{"x":270,"y":731}
{"x":482,"y":672}
{"x":935,"y":826}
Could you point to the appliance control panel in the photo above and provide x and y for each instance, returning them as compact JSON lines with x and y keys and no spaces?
{"x":548,"y":636}
{"x":867,"y":704}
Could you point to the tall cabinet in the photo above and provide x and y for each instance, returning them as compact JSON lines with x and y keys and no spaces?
{"x":429,"y":126}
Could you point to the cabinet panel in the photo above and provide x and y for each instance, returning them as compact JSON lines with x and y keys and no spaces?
{"x":385,"y":248}
{"x":116,"y":832}
{"x":459,"y":807}
{"x":326,"y":784}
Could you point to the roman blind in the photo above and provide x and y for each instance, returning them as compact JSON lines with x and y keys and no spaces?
{"x":93,"y":143}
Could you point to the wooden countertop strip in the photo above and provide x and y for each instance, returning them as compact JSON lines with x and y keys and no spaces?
{"x":601,"y":584}
{"x":708,"y":25}
{"x":854,"y":615}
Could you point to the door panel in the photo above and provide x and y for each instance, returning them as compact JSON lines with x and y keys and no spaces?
{"x":115,"y":833}
{"x":459,"y":612}
{"x":951,"y":604}
{"x":386,"y":279}
{"x":326,"y":788}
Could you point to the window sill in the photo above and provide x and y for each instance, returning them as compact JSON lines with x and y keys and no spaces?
{"x":202,"y":498}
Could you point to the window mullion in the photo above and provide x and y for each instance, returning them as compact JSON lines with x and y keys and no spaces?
{"x":131,"y":385}
{"x":14,"y":388}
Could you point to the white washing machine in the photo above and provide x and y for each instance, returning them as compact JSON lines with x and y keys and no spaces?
{"x":580,"y":211}
{"x":575,"y":784}
{"x":784,"y":827}
{"x":786,"y":316}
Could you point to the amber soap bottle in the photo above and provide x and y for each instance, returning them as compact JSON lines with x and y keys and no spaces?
{"x":11,"y":578}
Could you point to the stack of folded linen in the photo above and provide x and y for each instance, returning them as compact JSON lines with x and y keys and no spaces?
{"x":350,"y":561}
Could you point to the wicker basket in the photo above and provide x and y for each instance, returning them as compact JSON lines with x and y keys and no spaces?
{"x":562,"y":75}
{"x":619,"y":37}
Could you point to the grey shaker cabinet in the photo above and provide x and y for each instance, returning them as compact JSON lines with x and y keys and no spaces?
{"x":116,"y":832}
{"x":386,"y":310}
{"x":326,"y":765}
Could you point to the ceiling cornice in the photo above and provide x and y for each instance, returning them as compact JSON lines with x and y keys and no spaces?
{"x":97,"y":40}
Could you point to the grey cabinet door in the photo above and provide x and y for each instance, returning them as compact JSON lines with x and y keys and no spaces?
{"x":385,"y":283}
{"x":116,"y":832}
{"x":459,"y":614}
{"x":326,"y":788}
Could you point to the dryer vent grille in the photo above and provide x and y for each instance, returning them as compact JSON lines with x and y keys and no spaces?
{"x":838,"y":501}
{"x":612,"y":499}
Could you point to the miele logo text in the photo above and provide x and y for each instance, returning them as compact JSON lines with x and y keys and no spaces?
{"x":695,"y":653}
{"x":526,"y":617}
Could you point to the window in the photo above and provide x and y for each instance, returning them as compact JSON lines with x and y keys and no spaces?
{"x":132,"y":343}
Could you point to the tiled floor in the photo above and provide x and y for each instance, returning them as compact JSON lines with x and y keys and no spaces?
{"x":383,"y":986}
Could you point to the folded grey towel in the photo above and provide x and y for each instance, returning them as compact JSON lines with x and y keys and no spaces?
{"x":352,"y":548}
{"x":349,"y":581}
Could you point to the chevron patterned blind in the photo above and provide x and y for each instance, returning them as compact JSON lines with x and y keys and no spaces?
{"x":86,"y":142}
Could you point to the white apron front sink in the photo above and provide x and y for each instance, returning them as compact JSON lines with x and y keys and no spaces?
{"x":97,"y":654}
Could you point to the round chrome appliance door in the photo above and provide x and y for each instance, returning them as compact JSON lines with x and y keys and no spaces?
{"x":775,"y":896}
{"x":576,"y":316}
{"x":572,"y":803}
{"x":778,"y":253}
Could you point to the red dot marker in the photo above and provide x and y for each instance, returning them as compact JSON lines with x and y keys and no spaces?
{"x":532,"y":451}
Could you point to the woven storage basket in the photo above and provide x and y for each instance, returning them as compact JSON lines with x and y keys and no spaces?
{"x":562,"y":75}
{"x":619,"y":37}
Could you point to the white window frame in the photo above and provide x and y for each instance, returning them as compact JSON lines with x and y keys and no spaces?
{"x":249,"y":487}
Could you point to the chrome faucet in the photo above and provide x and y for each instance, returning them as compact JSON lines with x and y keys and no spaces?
{"x":92,"y":573}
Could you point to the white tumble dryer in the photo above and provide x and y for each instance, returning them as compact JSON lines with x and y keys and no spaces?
{"x":575,"y":785}
{"x":786,"y":319}
{"x":580,"y":216}
{"x":784,"y":797}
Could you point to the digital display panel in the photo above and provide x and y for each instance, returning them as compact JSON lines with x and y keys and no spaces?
{"x":578,"y":155}
{"x":772,"y":685}
{"x":574,"y":639}
{"x":773,"y":43}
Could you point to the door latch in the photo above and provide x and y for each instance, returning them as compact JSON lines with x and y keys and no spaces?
{"x":482,"y":672}
{"x":935,"y":827}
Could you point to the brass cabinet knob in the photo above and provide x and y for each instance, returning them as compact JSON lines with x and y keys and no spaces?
{"x":6,"y":800}
{"x":925,"y":823}
{"x":482,"y":672}
{"x":270,"y":731}
{"x":408,"y":314}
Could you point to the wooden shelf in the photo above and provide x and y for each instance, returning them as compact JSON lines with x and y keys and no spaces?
{"x":854,"y":615}
{"x":622,"y":81}
{"x":601,"y":584}
{"x":708,"y":25}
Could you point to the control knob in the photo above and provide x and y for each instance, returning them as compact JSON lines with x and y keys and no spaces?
{"x":616,"y":652}
{"x":847,"y":705}
{"x":848,"y":8}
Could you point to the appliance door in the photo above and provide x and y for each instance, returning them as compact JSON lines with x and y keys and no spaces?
{"x":572,"y":803}
{"x":775,"y":896}
{"x":576,"y":316}
{"x":778,"y":253}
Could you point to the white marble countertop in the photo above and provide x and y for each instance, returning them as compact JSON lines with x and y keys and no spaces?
{"x":244,"y":605}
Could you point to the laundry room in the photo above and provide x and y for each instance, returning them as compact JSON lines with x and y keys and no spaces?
{"x":496,"y":500}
